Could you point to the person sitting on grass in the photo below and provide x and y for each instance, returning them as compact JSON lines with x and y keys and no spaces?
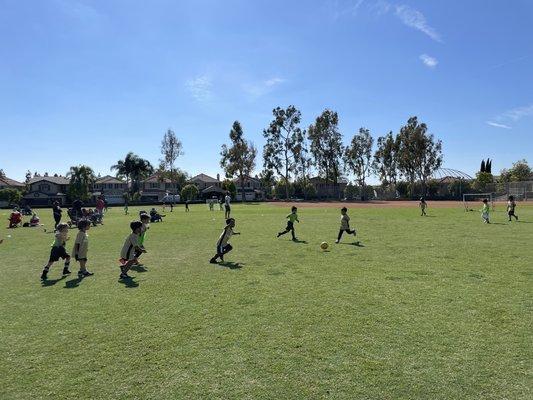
{"x":34,"y":220}
{"x":345,"y":225}
{"x":15,"y":219}
{"x":485,"y":212}
{"x":291,"y":218}
{"x":130,"y":248}
{"x":223,"y":247}
{"x":423,"y":205}
{"x":155,"y":216}
{"x":511,"y":205}
{"x":58,"y":251}
{"x":81,"y":247}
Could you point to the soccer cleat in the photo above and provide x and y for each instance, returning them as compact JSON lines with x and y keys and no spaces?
{"x":44,"y":275}
{"x":85,"y":273}
{"x":66,"y":271}
{"x":337,"y":241}
{"x":213,"y":261}
{"x":124,"y":275}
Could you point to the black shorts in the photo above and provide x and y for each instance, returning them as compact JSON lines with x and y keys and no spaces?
{"x":510,"y":213}
{"x":58,"y":252}
{"x":81,"y":259}
{"x":290,"y":226}
{"x":228,"y":208}
{"x":224,"y":249}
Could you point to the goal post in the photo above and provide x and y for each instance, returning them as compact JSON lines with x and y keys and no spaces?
{"x":470,"y":198}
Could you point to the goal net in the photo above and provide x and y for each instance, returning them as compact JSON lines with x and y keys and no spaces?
{"x":472,"y":201}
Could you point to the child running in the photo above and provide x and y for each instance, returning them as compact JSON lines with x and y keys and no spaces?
{"x":223,"y":247}
{"x":130,"y":248}
{"x":145,"y":220}
{"x":511,"y":205}
{"x":58,"y":251}
{"x":81,"y":246}
{"x":485,"y":212}
{"x":291,"y":218}
{"x":423,"y":205}
{"x":345,"y":225}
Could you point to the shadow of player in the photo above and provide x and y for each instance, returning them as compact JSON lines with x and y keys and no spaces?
{"x":129,"y":282}
{"x":138,"y":268}
{"x":73,"y":283}
{"x":51,"y":282}
{"x":231,"y":265}
{"x":356,"y":244}
{"x":299,"y":241}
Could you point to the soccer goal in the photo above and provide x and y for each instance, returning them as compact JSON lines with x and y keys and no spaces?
{"x":470,"y":199}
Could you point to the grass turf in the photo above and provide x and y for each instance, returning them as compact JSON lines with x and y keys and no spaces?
{"x":436,"y":307}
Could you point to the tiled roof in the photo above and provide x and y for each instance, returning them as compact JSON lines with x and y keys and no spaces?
{"x":109,"y":179}
{"x":10,"y":182}
{"x":58,"y":180}
{"x":203,"y":178}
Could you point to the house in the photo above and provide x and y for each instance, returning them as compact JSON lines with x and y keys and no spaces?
{"x":253,"y":189}
{"x":6,"y":183}
{"x":154,"y":188}
{"x":44,"y":190}
{"x":112,"y":188}
{"x":203,"y":181}
{"x":327,"y":190}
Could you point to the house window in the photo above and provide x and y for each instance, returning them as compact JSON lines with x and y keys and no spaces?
{"x":117,"y":185}
{"x":154,"y":185}
{"x":44,"y":188}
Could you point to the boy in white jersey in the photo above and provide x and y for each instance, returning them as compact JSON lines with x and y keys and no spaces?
{"x":345,"y":225}
{"x":58,"y":251}
{"x":485,"y":212}
{"x":130,"y":248}
{"x":227,"y":205}
{"x":511,"y":205}
{"x":81,"y":247}
{"x":223,"y":247}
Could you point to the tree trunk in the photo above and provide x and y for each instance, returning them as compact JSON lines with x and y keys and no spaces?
{"x":243,"y":195}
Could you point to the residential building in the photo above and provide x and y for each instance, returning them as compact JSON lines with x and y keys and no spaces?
{"x":253,"y":189}
{"x":111,"y":188}
{"x":7,"y":183}
{"x":327,"y":190}
{"x":44,"y":190}
{"x":203,"y":181}
{"x":154,"y":188}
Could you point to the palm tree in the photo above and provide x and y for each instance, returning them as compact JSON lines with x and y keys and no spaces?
{"x":125,"y":167}
{"x":81,"y":179}
{"x":133,"y":167}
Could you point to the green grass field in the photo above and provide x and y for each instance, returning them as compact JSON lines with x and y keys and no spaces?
{"x":426,"y":308}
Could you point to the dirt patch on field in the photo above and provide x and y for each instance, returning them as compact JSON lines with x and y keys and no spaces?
{"x":368,"y":204}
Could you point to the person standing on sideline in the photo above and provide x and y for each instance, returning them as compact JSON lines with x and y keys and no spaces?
{"x":227,"y":205}
{"x":100,"y":205}
{"x":56,"y":210}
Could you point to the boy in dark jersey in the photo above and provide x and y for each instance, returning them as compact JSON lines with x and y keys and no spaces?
{"x":291,"y":218}
{"x":345,"y":225}
{"x":423,"y":205}
{"x":58,"y":251}
{"x":223,"y":247}
{"x":511,"y":205}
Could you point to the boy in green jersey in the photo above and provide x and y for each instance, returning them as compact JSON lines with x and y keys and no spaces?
{"x":291,"y":218}
{"x":485,"y":212}
{"x":145,"y":219}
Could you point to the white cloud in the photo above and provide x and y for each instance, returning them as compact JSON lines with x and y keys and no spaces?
{"x":497,"y":125}
{"x":263,"y":87}
{"x":416,"y":20}
{"x":200,"y":87}
{"x":518,"y":113}
{"x":430,"y":62}
{"x":340,"y":8}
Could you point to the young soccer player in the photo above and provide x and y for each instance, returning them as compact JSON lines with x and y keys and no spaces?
{"x":227,"y":205}
{"x":511,"y":205}
{"x":130,"y":248}
{"x":145,"y":220}
{"x":81,"y":246}
{"x":223,"y":247}
{"x":423,"y":205}
{"x":187,"y":205}
{"x":58,"y":251}
{"x":345,"y":225}
{"x":291,"y":218}
{"x":485,"y":212}
{"x":56,"y":211}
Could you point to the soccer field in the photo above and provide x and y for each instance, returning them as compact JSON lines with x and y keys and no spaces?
{"x":436,"y":307}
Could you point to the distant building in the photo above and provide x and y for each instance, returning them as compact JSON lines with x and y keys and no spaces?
{"x":112,"y":188}
{"x":44,"y":190}
{"x":203,"y":181}
{"x":253,"y":189}
{"x":327,"y":190}
{"x":154,"y":188}
{"x":6,"y":183}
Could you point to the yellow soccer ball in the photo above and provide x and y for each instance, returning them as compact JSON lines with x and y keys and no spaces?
{"x":324,"y":245}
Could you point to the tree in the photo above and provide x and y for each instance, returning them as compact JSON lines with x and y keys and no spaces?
{"x":385,"y":160}
{"x":81,"y":179}
{"x":282,"y":139}
{"x":239,"y":159}
{"x":189,"y":192}
{"x":358,"y":157}
{"x":419,"y":155}
{"x":326,"y":145}
{"x":171,"y":149}
{"x":12,"y":196}
{"x":482,"y":180}
{"x":486,"y":166}
{"x":176,"y":176}
{"x":133,"y":168}
{"x":303,"y":163}
{"x":520,"y":171}
{"x":2,"y":173}
{"x":268,"y":181}
{"x":229,"y":186}
{"x":27,"y":177}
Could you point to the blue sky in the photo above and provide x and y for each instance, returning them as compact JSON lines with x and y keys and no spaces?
{"x":87,"y":81}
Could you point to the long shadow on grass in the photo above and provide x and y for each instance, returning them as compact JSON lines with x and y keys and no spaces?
{"x":73,"y":283}
{"x":51,"y":282}
{"x":129,"y":282}
{"x":138,"y":268}
{"x":497,"y":223}
{"x":356,"y":244}
{"x":299,"y":241}
{"x":231,"y":265}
